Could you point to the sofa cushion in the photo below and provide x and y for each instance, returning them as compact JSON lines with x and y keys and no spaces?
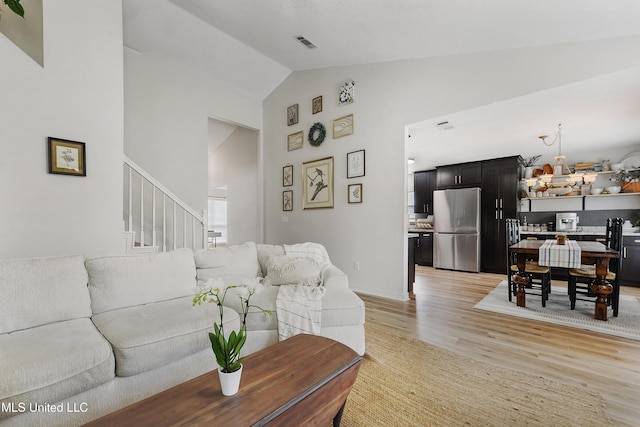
{"x":264,"y":252}
{"x":38,"y":291}
{"x":53,"y":362}
{"x":235,"y":262}
{"x":340,"y":307}
{"x":289,"y":270}
{"x":151,"y":335}
{"x":125,"y":281}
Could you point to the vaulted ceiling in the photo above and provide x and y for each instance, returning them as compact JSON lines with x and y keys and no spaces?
{"x":251,"y":44}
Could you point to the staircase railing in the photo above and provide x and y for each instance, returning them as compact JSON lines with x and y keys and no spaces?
{"x":156,"y":218}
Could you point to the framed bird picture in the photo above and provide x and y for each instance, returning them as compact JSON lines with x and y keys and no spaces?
{"x":317,"y":179}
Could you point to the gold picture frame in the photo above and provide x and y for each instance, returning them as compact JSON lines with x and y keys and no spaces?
{"x":343,"y":126}
{"x":66,"y":157}
{"x":292,"y":114}
{"x":317,"y":183}
{"x":316,"y":105}
{"x":295,"y":141}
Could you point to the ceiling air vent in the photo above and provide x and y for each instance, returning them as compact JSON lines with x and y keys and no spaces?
{"x":444,"y":126}
{"x":306,"y":42}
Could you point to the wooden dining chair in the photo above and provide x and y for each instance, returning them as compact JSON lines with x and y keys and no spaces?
{"x":579,"y":278}
{"x":539,"y":276}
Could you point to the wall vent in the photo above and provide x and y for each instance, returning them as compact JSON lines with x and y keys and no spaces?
{"x":306,"y":42}
{"x":444,"y":126}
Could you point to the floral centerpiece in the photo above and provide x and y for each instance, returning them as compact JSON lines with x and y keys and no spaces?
{"x":561,"y":239}
{"x":227,"y":350}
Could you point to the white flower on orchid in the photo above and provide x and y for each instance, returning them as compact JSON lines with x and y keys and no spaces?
{"x":243,"y":292}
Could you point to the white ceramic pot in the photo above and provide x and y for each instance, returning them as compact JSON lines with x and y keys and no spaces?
{"x":528,"y":171}
{"x":230,"y":382}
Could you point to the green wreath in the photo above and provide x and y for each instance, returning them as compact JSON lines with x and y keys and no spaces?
{"x":317,"y":128}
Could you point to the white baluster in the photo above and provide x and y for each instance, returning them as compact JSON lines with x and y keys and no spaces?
{"x":174,"y":225}
{"x":164,"y":223}
{"x":153,"y":216}
{"x":130,"y":227}
{"x":141,"y":211}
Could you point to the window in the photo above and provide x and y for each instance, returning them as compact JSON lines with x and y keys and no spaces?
{"x":217,"y":217}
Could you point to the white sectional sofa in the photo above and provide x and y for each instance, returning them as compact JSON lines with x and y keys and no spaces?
{"x":80,"y":338}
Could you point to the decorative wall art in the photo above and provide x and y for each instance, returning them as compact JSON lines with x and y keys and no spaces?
{"x":287,"y":200}
{"x":292,"y":114}
{"x":355,"y":164}
{"x":295,"y":140}
{"x":287,"y":176}
{"x":343,"y":126}
{"x":317,"y":133}
{"x":316,"y":105}
{"x":66,"y":157}
{"x":346,"y":95}
{"x":355,"y":193}
{"x":317,"y":183}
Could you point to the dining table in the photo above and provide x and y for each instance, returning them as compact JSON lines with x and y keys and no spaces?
{"x":591,"y":252}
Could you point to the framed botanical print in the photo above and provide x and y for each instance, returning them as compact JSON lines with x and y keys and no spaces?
{"x":295,"y":140}
{"x":66,"y":157}
{"x":316,"y":105}
{"x":343,"y":126}
{"x":355,"y":164}
{"x":355,"y":193}
{"x":287,"y":176}
{"x":292,"y":114}
{"x":317,"y":184}
{"x":287,"y":200}
{"x":346,"y":94}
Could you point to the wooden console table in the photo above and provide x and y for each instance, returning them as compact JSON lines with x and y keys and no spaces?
{"x":591,"y":253}
{"x":304,"y":380}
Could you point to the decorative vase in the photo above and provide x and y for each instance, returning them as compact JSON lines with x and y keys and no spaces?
{"x":528,"y":171}
{"x":230,"y":381}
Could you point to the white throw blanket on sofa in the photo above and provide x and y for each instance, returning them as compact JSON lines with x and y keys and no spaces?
{"x":299,"y":306}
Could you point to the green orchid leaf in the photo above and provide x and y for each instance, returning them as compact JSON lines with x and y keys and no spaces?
{"x":15,"y":6}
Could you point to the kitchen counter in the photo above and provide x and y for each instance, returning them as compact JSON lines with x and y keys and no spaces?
{"x":422,"y":230}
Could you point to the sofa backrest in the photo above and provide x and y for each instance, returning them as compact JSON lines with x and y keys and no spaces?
{"x":125,"y":281}
{"x":38,"y":291}
{"x":230,"y":263}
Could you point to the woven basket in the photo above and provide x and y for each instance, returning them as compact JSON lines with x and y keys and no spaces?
{"x":631,"y":187}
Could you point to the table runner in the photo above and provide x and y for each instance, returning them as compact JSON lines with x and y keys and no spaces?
{"x":553,"y":255}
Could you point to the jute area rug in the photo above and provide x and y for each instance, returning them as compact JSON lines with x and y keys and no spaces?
{"x":558,"y":311}
{"x":406,"y":382}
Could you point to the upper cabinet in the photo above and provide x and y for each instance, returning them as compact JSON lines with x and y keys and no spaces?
{"x":424,"y":182}
{"x":460,"y":175}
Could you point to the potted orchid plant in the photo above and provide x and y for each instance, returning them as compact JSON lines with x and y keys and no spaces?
{"x":227,"y":347}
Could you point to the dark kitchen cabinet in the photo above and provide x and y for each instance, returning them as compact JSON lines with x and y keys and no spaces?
{"x":462,"y":175}
{"x":424,"y":249}
{"x":424,"y":182}
{"x":499,"y":201}
{"x":630,"y":275}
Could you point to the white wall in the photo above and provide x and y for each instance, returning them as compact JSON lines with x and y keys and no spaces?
{"x":167,"y":109}
{"x":234,"y":165}
{"x":77,"y":95}
{"x":389,"y":96}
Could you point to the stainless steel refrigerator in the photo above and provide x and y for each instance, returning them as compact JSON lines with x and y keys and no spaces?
{"x":456,"y":238}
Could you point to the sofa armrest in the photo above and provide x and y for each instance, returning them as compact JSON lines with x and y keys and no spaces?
{"x":334,"y":278}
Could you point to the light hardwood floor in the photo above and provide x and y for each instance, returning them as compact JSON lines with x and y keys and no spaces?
{"x":442,"y":314}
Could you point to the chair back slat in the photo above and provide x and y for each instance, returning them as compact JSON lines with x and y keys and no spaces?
{"x":614,"y":241}
{"x":512,"y":236}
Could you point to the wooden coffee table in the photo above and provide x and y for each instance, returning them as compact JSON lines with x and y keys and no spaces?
{"x":304,"y":380}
